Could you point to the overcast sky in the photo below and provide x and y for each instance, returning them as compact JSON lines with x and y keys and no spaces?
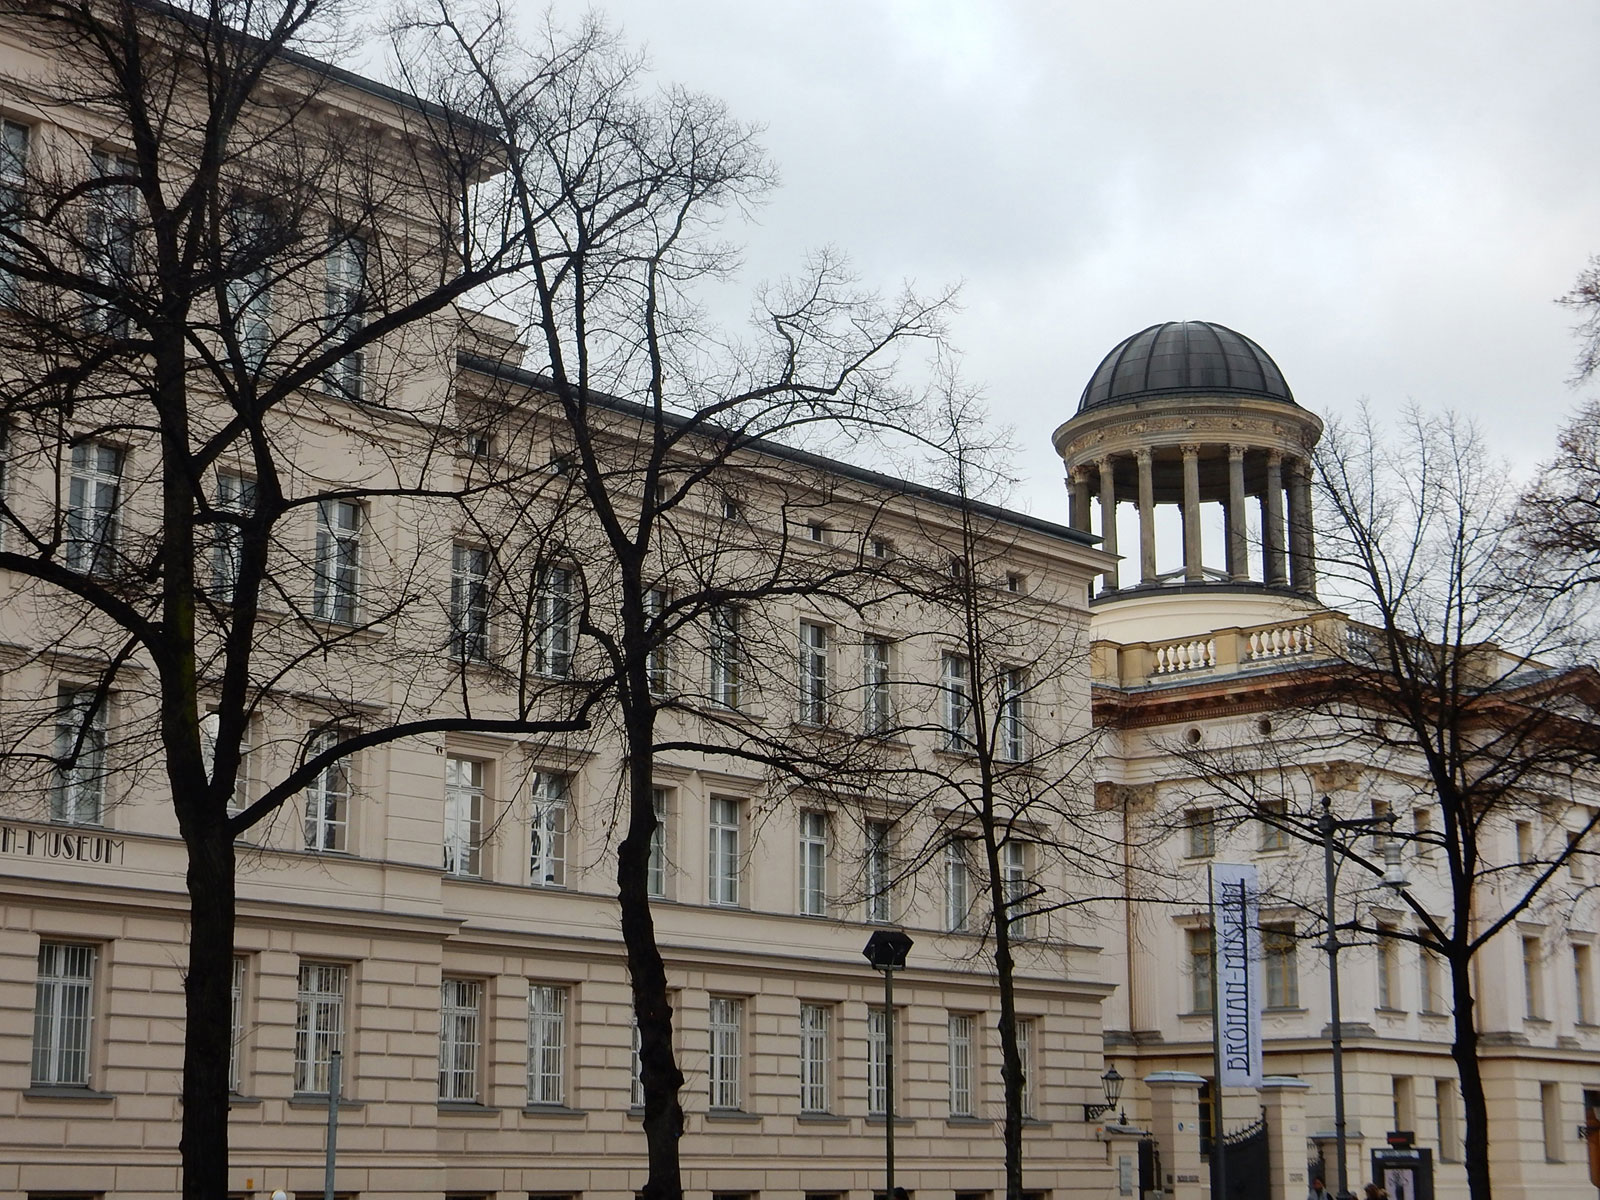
{"x":1386,"y":196}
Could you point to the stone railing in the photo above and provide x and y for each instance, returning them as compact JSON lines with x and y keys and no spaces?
{"x":1227,"y":651}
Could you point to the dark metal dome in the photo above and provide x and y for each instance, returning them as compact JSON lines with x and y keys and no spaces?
{"x":1184,"y":358}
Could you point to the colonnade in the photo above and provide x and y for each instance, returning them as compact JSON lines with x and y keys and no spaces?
{"x":1196,"y":475}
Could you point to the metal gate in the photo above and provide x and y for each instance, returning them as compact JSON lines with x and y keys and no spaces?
{"x":1249,"y":1174}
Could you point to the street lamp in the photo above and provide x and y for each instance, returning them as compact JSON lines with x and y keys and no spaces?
{"x":1111,"y":1083}
{"x":886,"y":950}
{"x":1393,"y":877}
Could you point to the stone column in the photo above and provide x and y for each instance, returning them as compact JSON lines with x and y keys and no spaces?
{"x":1175,"y":1121}
{"x":1283,"y":1104}
{"x":1191,"y":515}
{"x":1078,"y":498}
{"x":1272,"y":523}
{"x":1108,"y":518}
{"x":1238,"y":551}
{"x":1302,"y":552}
{"x":1147,"y":519}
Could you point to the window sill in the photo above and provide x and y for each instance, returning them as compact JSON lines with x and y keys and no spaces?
{"x":1543,"y":1023}
{"x":1384,"y":1010}
{"x":235,"y":1100}
{"x":966,"y":1122}
{"x":899,"y":1122}
{"x":1036,"y":1123}
{"x":821,"y":1119}
{"x":553,"y":1110}
{"x":465,"y":1108}
{"x":309,"y":1100}
{"x":49,"y":1091}
{"x":733,"y":1115}
{"x":1285,"y":1010}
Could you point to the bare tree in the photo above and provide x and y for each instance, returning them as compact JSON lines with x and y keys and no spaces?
{"x":233,"y":460}
{"x":687,"y":452}
{"x":1459,"y":684}
{"x":1002,"y":816}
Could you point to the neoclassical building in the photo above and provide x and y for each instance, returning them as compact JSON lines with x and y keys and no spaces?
{"x":1195,"y":669}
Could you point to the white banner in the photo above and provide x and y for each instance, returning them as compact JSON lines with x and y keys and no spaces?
{"x":1235,"y":900}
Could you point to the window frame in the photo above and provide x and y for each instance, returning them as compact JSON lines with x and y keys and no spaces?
{"x":329,"y":798}
{"x":336,"y":567}
{"x":656,"y":864}
{"x":723,"y":655}
{"x":465,"y":807}
{"x":460,"y":1039}
{"x":725,"y":1053}
{"x":1013,"y":731}
{"x":79,"y":778}
{"x":725,"y":846}
{"x":316,"y":1039}
{"x":469,"y":602}
{"x":877,"y":682}
{"x":1280,"y":965}
{"x":110,"y":241}
{"x":94,"y":506}
{"x":956,"y":708}
{"x":879,"y":872}
{"x":960,"y":1061}
{"x":62,"y":1053}
{"x":816,"y":1058}
{"x":549,"y":820}
{"x":549,"y":1007}
{"x":815,"y":650}
{"x":236,"y":496}
{"x":958,"y":896}
{"x":813,"y":847}
{"x":555,"y":631}
{"x":345,"y":310}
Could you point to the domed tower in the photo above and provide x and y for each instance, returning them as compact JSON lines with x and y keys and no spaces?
{"x":1184,"y":414}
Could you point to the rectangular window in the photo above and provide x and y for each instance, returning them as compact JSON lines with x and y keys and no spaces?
{"x":1013,"y":728}
{"x":1524,"y":831}
{"x":656,"y":869}
{"x":1273,"y":815}
{"x":338,"y":564}
{"x":636,"y":1067}
{"x":345,"y":314}
{"x":813,"y":673}
{"x":327,"y":824}
{"x":463,"y":816}
{"x":236,"y":500}
{"x":878,"y":1034}
{"x":249,"y":291}
{"x":957,"y":885}
{"x":1197,"y":943}
{"x":955,"y":674}
{"x":556,"y":620}
{"x":813,"y":864}
{"x":459,"y":1001}
{"x":1282,"y":971}
{"x":1018,"y":889}
{"x":1444,"y":1099}
{"x":78,"y":793}
{"x":1403,"y":1101}
{"x":1422,"y":831}
{"x":726,"y":818}
{"x":469,"y":603}
{"x":63,"y":1012}
{"x":1389,"y":995}
{"x":1532,"y":979}
{"x":109,"y":243}
{"x":725,"y":1064}
{"x":547,"y":1045}
{"x":658,"y":666}
{"x":236,"y":1026}
{"x":92,"y":507}
{"x":1577,"y":870}
{"x":876,"y":654}
{"x":960,"y":1046}
{"x":1583,"y":984}
{"x":1025,"y":1053}
{"x":13,"y":179}
{"x":816,"y":1032}
{"x":1430,"y":981}
{"x":1550,"y":1119}
{"x":318,"y":1025}
{"x":1200,"y":825}
{"x":724,"y":651}
{"x":1381,"y":812}
{"x":547,"y":821}
{"x":880,"y":871}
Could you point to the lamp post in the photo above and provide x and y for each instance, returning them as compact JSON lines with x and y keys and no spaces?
{"x":886,"y":950}
{"x":1394,"y":877}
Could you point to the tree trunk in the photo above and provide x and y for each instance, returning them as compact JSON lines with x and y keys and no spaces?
{"x":1464,"y":1050}
{"x":208,"y":1008}
{"x":1005,"y":978}
{"x":659,"y":1073}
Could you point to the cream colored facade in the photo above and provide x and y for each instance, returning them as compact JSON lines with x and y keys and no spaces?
{"x":1184,"y":665}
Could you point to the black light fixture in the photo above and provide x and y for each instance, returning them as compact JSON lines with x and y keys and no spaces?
{"x":1111,"y":1082}
{"x":887,"y":949}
